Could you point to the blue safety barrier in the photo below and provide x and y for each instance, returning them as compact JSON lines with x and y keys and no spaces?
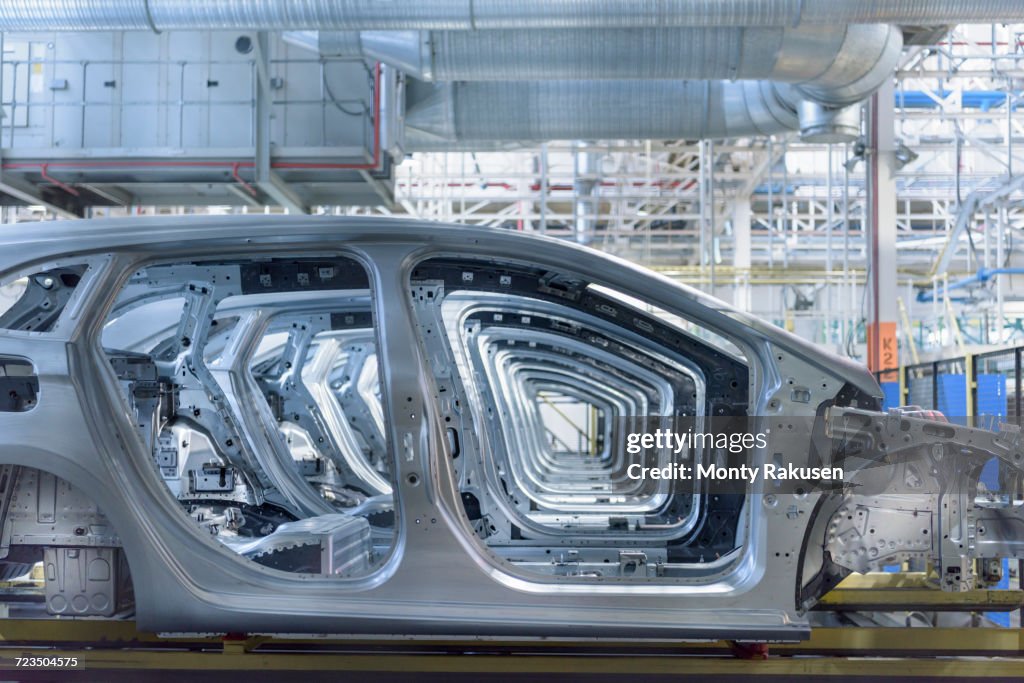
{"x":991,"y":402}
{"x":952,"y":397}
{"x":919,"y":392}
{"x":890,"y":395}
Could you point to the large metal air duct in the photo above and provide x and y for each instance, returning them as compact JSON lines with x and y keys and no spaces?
{"x":84,"y":15}
{"x":815,"y":45}
{"x":830,"y":70}
{"x":833,"y":65}
{"x":485,"y":112}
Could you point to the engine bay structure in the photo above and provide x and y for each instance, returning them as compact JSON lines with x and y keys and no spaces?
{"x":291,"y":425}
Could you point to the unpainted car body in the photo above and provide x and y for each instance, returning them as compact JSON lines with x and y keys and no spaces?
{"x":389,"y":462}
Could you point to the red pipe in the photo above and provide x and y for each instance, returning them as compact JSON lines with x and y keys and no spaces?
{"x":64,"y":186}
{"x":248,"y":188}
{"x":875,"y":362}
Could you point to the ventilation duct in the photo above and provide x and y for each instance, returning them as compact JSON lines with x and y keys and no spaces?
{"x":482,"y":112}
{"x":832,"y":64}
{"x":507,"y":85}
{"x":830,"y":70}
{"x":84,"y":15}
{"x":820,"y":124}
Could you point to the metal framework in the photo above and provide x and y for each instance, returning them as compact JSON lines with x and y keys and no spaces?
{"x":784,"y":214}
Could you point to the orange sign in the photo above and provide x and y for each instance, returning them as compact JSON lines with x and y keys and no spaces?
{"x":883,"y":351}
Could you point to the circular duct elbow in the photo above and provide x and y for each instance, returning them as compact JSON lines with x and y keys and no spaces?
{"x":765,"y":108}
{"x":868,"y":56}
{"x":821,"y":124}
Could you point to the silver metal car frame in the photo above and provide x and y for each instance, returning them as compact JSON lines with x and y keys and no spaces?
{"x":438,"y":579}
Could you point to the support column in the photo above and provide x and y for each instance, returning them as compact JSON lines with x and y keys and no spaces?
{"x":881,"y":234}
{"x":266,"y":178}
{"x":586,"y":185}
{"x":741,"y":217}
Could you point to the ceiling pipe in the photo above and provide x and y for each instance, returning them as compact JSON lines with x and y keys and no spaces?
{"x":484,"y":112}
{"x":161,"y":15}
{"x":518,"y":86}
{"x":833,"y":65}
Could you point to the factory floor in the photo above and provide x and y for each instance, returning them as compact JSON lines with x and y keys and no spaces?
{"x":116,"y":651}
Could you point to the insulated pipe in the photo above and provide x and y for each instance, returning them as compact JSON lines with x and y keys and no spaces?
{"x":587,"y":184}
{"x":158,"y":15}
{"x":471,"y":113}
{"x":842,"y":62}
